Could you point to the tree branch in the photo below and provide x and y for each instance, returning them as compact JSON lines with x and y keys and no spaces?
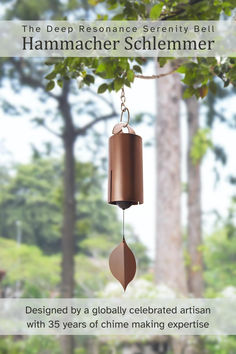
{"x":180,"y":11}
{"x":51,"y":130}
{"x":83,"y":130}
{"x":155,"y":76}
{"x":30,"y":80}
{"x":108,"y":102}
{"x":176,"y":64}
{"x":65,"y":110}
{"x":41,"y":123}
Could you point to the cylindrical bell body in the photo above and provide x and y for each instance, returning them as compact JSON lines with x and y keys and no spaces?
{"x":125,"y":180}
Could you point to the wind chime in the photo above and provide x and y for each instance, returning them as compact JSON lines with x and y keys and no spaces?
{"x":125,"y":188}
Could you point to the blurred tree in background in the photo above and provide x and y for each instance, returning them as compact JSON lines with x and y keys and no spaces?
{"x":32,"y":194}
{"x":220,"y":255}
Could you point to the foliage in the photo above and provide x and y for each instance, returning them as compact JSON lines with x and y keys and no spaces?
{"x":201,"y":143}
{"x":32,"y":194}
{"x":141,"y":288}
{"x":31,"y":345}
{"x":214,"y":114}
{"x":30,"y":273}
{"x":32,"y":198}
{"x":199,"y":76}
{"x":219,"y":255}
{"x":41,"y":10}
{"x":29,"y":267}
{"x":169,"y":10}
{"x":91,"y":275}
{"x":220,"y":345}
{"x":117,"y":72}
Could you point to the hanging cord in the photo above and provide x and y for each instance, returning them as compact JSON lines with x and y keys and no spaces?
{"x":123,"y":107}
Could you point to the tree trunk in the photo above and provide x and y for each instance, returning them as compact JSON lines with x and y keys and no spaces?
{"x":68,"y":240}
{"x":194,"y":227}
{"x":69,"y":211}
{"x":92,"y":345}
{"x":195,"y":267}
{"x":169,"y":267}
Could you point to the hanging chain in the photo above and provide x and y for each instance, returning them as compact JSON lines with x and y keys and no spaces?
{"x":123,"y":99}
{"x":123,"y":106}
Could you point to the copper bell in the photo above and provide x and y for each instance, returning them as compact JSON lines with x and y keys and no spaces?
{"x":125,"y":178}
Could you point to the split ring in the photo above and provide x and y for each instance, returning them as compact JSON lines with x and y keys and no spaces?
{"x":121,"y":116}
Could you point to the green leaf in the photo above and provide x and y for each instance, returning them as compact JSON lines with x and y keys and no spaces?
{"x":118,"y":83}
{"x":217,"y":70}
{"x":52,"y":61}
{"x":51,"y":75}
{"x":89,"y":79}
{"x":189,"y":92}
{"x":140,"y":61}
{"x":156,"y":11}
{"x":124,"y":64}
{"x":60,"y":82}
{"x":226,"y":83}
{"x":137,"y":68}
{"x":50,"y":85}
{"x":101,"y":67}
{"x":93,"y":2}
{"x":181,"y":69}
{"x":127,"y":83}
{"x":102,"y":88}
{"x":203,"y":90}
{"x":162,"y":61}
{"x":118,"y":17}
{"x":130,"y":75}
{"x":227,"y":12}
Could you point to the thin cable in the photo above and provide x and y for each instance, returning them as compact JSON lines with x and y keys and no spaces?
{"x":123,"y":225}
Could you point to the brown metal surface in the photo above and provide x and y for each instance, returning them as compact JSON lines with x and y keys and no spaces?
{"x":122,"y":264}
{"x":125,"y":179}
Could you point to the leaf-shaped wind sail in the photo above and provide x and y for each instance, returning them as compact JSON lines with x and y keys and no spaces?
{"x":122,"y":264}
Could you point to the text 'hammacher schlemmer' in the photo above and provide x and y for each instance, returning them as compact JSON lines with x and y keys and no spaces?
{"x":128,"y":38}
{"x":129,"y":43}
